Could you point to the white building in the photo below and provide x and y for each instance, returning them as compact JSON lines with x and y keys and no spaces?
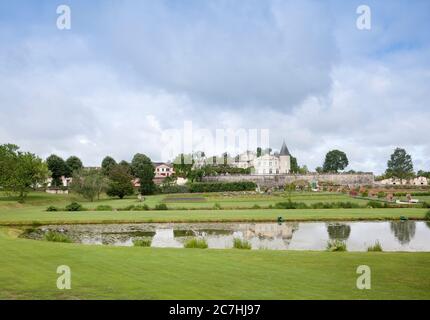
{"x":274,"y":164}
{"x":245,"y":160}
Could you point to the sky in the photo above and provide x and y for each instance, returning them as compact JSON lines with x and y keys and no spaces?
{"x":128,"y":71}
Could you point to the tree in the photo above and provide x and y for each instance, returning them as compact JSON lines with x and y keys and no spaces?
{"x":107,"y":163}
{"x":126,"y":165}
{"x":20,"y":171}
{"x":294,"y":165}
{"x":58,"y":168}
{"x":88,"y":183}
{"x":142,"y":168}
{"x":120,"y":184}
{"x":319,"y":169}
{"x":400,"y":165}
{"x":335,"y":160}
{"x":73,"y":164}
{"x":422,"y":173}
{"x":259,"y":151}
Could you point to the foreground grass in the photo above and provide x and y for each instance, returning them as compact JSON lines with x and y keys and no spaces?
{"x":28,"y":271}
{"x":27,"y":217}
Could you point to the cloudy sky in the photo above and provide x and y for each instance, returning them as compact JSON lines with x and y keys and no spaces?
{"x":127,"y":71}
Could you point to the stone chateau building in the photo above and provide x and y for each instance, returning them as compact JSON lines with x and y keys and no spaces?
{"x":266,"y":164}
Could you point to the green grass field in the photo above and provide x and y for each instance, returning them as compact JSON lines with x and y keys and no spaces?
{"x":28,"y":267}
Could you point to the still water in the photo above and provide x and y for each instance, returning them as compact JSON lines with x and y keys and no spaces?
{"x":392,"y":235}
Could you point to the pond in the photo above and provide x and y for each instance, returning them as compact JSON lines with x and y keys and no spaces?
{"x":358,"y":236}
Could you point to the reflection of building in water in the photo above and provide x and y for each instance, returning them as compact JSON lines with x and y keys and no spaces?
{"x":165,"y":238}
{"x":268,"y":235}
{"x":268,"y":230}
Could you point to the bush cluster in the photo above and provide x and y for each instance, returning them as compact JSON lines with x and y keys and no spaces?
{"x":74,"y":206}
{"x":196,"y":243}
{"x":140,"y":207}
{"x":142,"y":242}
{"x":222,"y":186}
{"x":241,"y":244}
{"x":375,"y":248}
{"x":56,"y":237}
{"x":336,"y":246}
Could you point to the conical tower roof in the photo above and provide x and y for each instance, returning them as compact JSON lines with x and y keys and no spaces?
{"x":284,"y":150}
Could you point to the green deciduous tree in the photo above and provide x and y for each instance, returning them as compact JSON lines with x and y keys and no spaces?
{"x":142,"y":168}
{"x":400,"y":165}
{"x":107,"y":163}
{"x":58,"y":168}
{"x":20,"y":171}
{"x":88,"y":183}
{"x":73,"y":164}
{"x":335,"y":160}
{"x":120,"y":184}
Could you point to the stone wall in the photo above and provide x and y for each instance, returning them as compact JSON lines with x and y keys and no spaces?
{"x":355,"y":179}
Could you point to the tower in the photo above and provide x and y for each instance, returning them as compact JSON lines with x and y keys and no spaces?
{"x":284,"y":159}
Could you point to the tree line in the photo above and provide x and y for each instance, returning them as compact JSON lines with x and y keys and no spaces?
{"x":21,"y":172}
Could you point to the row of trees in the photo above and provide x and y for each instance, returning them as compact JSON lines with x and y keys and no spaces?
{"x":21,"y":172}
{"x":116,"y":179}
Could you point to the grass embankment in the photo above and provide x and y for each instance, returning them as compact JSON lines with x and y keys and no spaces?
{"x":28,"y":217}
{"x":34,"y":210}
{"x":28,"y":271}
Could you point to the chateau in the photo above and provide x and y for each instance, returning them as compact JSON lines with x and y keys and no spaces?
{"x":266,"y":164}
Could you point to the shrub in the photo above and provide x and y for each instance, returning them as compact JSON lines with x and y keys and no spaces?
{"x":427,"y":216}
{"x":291,"y":205}
{"x":196,"y":243}
{"x":104,"y":208}
{"x":174,"y":189}
{"x":375,"y":248}
{"x":241,"y":244}
{"x":217,"y":206}
{"x":56,"y":237}
{"x":336,"y":246}
{"x":74,"y":206}
{"x":365,"y":194}
{"x":161,"y":206}
{"x":222,"y":186}
{"x":381,"y":194}
{"x":140,"y":207}
{"x":256,"y":206}
{"x":52,"y":209}
{"x":142,"y":242}
{"x":376,"y":204}
{"x":425,"y":205}
{"x":347,"y":205}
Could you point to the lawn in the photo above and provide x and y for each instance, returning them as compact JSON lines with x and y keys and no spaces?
{"x":28,"y":271}
{"x":28,"y":267}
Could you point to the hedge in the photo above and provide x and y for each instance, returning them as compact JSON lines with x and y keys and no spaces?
{"x":222,"y":186}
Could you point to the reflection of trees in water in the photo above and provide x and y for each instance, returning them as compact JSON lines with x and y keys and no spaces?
{"x":428,"y":224}
{"x":338,"y":231}
{"x":404,"y":231}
